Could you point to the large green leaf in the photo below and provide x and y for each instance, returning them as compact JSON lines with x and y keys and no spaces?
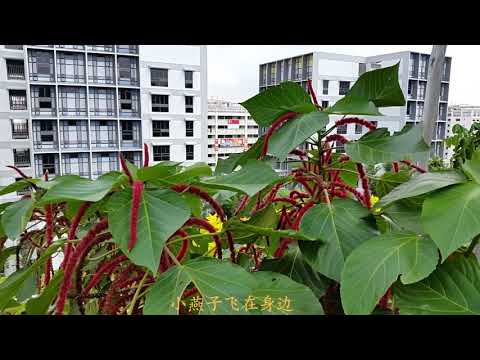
{"x":39,"y":305}
{"x":6,"y":253}
{"x":228,"y":165}
{"x":250,"y":179}
{"x":294,"y":132}
{"x":10,"y":287}
{"x":452,"y":289}
{"x":471,"y":167}
{"x":277,"y":294}
{"x":79,"y":188}
{"x":189,"y":173}
{"x":17,"y":185}
{"x":373,"y":149}
{"x":451,"y":216}
{"x":158,"y":171}
{"x":237,"y":225}
{"x":406,"y":214}
{"x":373,"y":89}
{"x":388,"y":181}
{"x":270,"y":104}
{"x":220,"y":283}
{"x":294,"y":266}
{"x":161,"y":213}
{"x":376,"y":264}
{"x":422,"y":184}
{"x":215,"y":280}
{"x":341,"y":227}
{"x":16,"y":217}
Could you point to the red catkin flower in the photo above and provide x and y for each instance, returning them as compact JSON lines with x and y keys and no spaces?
{"x":203,"y":195}
{"x":298,"y":195}
{"x":136,"y":197}
{"x":48,"y":236}
{"x":336,"y":137}
{"x":396,"y":168}
{"x":185,"y":243}
{"x":312,"y":92}
{"x":366,"y":189}
{"x":275,"y":126}
{"x":300,"y":214}
{"x":418,"y":168}
{"x":343,"y":158}
{"x":241,"y":205}
{"x":352,"y":190}
{"x":369,"y":125}
{"x":284,"y":199}
{"x":230,"y":245}
{"x":87,"y":241}
{"x":209,"y":227}
{"x":383,"y":303}
{"x":123,"y":163}
{"x":104,"y":269}
{"x":146,"y":159}
{"x":302,"y":154}
{"x":73,"y":229}
{"x":190,"y":292}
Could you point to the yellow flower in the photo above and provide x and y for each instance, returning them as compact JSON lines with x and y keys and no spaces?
{"x":374,"y":199}
{"x":244,"y":218}
{"x":215,"y":221}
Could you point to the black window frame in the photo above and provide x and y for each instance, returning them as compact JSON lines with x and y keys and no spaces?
{"x":160,"y":128}
{"x":189,"y":128}
{"x":189,"y":152}
{"x":189,"y":81}
{"x":161,"y":152}
{"x":158,"y":79}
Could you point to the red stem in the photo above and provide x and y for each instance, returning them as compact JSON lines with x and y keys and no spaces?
{"x":396,"y":168}
{"x":123,"y":163}
{"x":284,"y":199}
{"x":73,"y":229}
{"x":242,"y":204}
{"x":275,"y":126}
{"x":418,"y":168}
{"x":146,"y":155}
{"x":20,"y":172}
{"x":106,"y":268}
{"x":371,"y":126}
{"x":203,"y":195}
{"x":136,"y":197}
{"x":336,"y":137}
{"x":366,"y":190}
{"x":312,"y":92}
{"x":352,"y":190}
{"x":207,"y":226}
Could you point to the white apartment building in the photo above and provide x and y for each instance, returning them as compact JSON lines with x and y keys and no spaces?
{"x":70,"y":109}
{"x":231,"y":130}
{"x":464,"y":115}
{"x":333,"y":75}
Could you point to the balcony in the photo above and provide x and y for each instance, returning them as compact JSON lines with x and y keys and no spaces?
{"x":21,"y":157}
{"x":70,"y":67}
{"x":76,"y":164}
{"x":108,"y":48}
{"x":18,"y":99}
{"x":45,"y":137}
{"x":127,"y":49}
{"x":102,"y":102}
{"x":72,"y":101}
{"x":129,"y":103}
{"x":43,"y":101}
{"x":130,"y":134}
{"x":101,"y":69}
{"x":40,"y":65}
{"x":71,"y":47}
{"x":46,"y":162}
{"x":103,"y":134}
{"x":19,"y":129}
{"x":15,"y":70}
{"x":135,"y":157}
{"x":74,"y":134}
{"x":103,"y":163}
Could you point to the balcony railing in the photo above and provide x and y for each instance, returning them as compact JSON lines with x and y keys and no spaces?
{"x":100,"y":48}
{"x":18,"y":101}
{"x":74,"y":47}
{"x":127,"y":49}
{"x":15,"y":70}
{"x":22,"y":158}
{"x":14,"y":47}
{"x":19,"y":130}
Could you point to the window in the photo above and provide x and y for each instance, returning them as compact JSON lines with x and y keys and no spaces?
{"x":46,"y":134}
{"x":18,"y":99}
{"x":70,"y":67}
{"x":188,"y":128}
{"x":74,"y":134}
{"x":19,"y":129}
{"x":324,"y":104}
{"x":159,"y":103}
{"x":161,"y":153}
{"x":15,"y":70}
{"x":189,"y":152}
{"x":342,"y":129}
{"x":358,"y":129}
{"x":344,"y":87}
{"x":159,"y":77}
{"x":48,"y":163}
{"x":127,"y":130}
{"x":422,"y":86}
{"x":41,"y":65}
{"x":127,"y":49}
{"x":125,"y":99}
{"x":189,"y":104}
{"x":161,"y":128}
{"x":21,"y":157}
{"x":325,"y":87}
{"x":362,"y":68}
{"x":189,"y":79}
{"x":102,"y":102}
{"x":127,"y":71}
{"x":340,"y":148}
{"x":100,"y":69}
{"x":72,"y":101}
{"x":76,"y":164}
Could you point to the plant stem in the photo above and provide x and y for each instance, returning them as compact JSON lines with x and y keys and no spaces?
{"x":101,"y":256}
{"x":472,"y":245}
{"x":137,"y":292}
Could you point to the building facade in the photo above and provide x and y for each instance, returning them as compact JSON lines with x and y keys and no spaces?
{"x":333,"y":75}
{"x":464,"y":115}
{"x":231,"y":130}
{"x":71,"y":109}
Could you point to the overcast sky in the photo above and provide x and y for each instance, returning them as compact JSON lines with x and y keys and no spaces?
{"x":233,"y":69}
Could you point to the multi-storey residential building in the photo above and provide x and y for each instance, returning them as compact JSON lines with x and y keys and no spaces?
{"x":464,"y":115}
{"x":333,"y":75}
{"x":71,"y":109}
{"x":231,"y":130}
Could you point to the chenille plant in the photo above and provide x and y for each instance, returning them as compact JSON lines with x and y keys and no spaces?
{"x":367,"y":231}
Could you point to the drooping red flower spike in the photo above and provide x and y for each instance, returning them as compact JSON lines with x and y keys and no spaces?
{"x":136,"y":198}
{"x":146,"y":155}
{"x":104,"y":269}
{"x":209,"y":227}
{"x":72,"y":231}
{"x":203,"y":195}
{"x":396,"y":168}
{"x":336,"y":137}
{"x":413,"y":166}
{"x":48,"y":236}
{"x":275,"y":126}
{"x":123,"y":163}
{"x":368,"y":124}
{"x":312,"y":92}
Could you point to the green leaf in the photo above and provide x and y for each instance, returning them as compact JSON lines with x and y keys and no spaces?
{"x":250,"y":179}
{"x":388,"y":181}
{"x":212,"y":277}
{"x":78,"y":188}
{"x":28,"y":288}
{"x":289,"y":297}
{"x":6,"y":253}
{"x":161,"y":213}
{"x":422,"y":184}
{"x":341,"y":228}
{"x":236,"y":225}
{"x":450,"y":216}
{"x":406,"y":214}
{"x":349,"y":176}
{"x":472,"y":167}
{"x":270,"y":104}
{"x":373,"y":89}
{"x":10,"y":287}
{"x":376,"y":264}
{"x":39,"y":305}
{"x":17,"y":185}
{"x":452,"y":289}
{"x":190,"y":173}
{"x":265,"y":218}
{"x":16,"y":217}
{"x":294,"y":266}
{"x":158,"y":171}
{"x":194,"y":202}
{"x":371,"y":149}
{"x":228,"y":165}
{"x":294,"y":132}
